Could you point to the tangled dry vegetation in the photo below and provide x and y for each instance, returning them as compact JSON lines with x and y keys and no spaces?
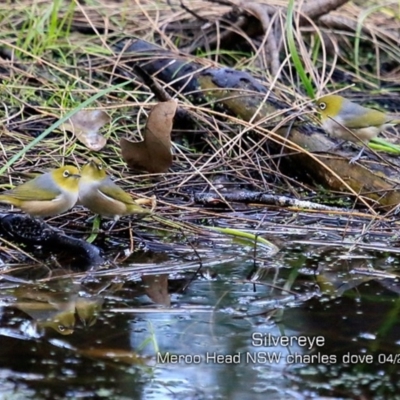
{"x":55,"y":55}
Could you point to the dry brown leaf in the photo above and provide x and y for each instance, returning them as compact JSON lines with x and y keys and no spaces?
{"x":115,"y":354}
{"x":156,"y":287}
{"x":153,"y":154}
{"x":85,"y":125}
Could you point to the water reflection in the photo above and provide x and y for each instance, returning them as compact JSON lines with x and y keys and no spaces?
{"x":290,"y":327}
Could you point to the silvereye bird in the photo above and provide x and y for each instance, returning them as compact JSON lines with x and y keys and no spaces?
{"x":48,"y":306}
{"x":49,"y":194}
{"x":102,"y":196}
{"x":63,"y":322}
{"x":341,"y":116}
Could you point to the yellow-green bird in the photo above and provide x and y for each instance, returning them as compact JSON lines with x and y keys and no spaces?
{"x":63,"y":322}
{"x":102,"y":196}
{"x":346,"y":120}
{"x":49,"y":194}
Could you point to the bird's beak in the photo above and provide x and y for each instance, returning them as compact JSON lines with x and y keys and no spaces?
{"x":76,"y":175}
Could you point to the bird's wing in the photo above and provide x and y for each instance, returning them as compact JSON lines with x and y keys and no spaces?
{"x":354,"y":117}
{"x":360,"y":122}
{"x":113,"y":191}
{"x":41,"y":188}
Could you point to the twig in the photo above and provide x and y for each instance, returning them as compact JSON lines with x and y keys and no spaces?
{"x":188,"y":10}
{"x":318,"y":8}
{"x":271,"y":44}
{"x":260,"y":197}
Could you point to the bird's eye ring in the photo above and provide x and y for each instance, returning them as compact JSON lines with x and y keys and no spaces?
{"x":66,"y":174}
{"x":99,"y":166}
{"x":61,"y":328}
{"x":322,"y":105}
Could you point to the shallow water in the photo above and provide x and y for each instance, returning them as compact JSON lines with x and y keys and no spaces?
{"x":302,"y":323}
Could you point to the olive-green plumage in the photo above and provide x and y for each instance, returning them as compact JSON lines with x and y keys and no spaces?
{"x":346,"y":120}
{"x":339,"y":113}
{"x":102,"y":196}
{"x":49,"y":194}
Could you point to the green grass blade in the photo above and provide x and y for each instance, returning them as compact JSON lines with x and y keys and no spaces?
{"x":95,"y":229}
{"x":294,"y":54}
{"x":248,"y":236}
{"x":383,"y":145}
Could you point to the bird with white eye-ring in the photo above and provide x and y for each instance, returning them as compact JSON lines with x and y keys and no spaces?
{"x":346,"y":120}
{"x":47,"y":195}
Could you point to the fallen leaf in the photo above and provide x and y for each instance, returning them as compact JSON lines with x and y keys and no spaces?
{"x":156,"y":287}
{"x":85,"y":125}
{"x":115,"y":355}
{"x":153,"y":154}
